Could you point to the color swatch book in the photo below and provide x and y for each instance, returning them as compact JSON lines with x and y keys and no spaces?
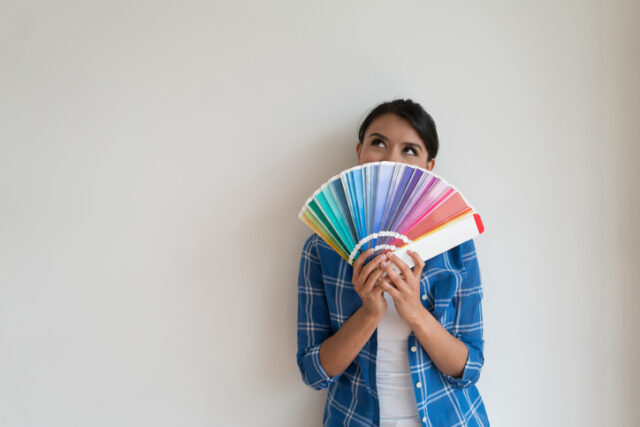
{"x":390,"y":206}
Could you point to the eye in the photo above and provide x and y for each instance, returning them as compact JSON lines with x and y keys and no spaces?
{"x":413,"y":151}
{"x":377,"y":141}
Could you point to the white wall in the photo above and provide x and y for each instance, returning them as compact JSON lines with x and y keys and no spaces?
{"x":154,"y":156}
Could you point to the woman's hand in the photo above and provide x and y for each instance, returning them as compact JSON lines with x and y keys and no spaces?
{"x":340,"y":349}
{"x":405,"y":287}
{"x":364,"y":281}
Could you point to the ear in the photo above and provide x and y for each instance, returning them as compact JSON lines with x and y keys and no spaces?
{"x":431,"y":165}
{"x":358,"y":147}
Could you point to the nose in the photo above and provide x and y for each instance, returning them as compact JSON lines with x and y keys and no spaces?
{"x":393,"y":156}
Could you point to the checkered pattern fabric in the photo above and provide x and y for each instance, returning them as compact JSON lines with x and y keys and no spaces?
{"x":450,"y":288}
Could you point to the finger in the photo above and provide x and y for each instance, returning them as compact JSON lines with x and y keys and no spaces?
{"x":373,"y":264}
{"x":393,"y":276}
{"x":388,"y":287}
{"x":389,"y":282}
{"x":372,"y":280}
{"x":377,"y":289}
{"x":357,"y":265}
{"x":419,"y":262}
{"x":403,"y":266}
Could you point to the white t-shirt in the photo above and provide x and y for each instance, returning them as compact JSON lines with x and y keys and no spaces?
{"x":393,"y":376}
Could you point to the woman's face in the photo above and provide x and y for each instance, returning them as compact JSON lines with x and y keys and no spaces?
{"x":392,"y":138}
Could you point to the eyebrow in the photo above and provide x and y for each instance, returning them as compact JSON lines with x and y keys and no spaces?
{"x":410,"y":144}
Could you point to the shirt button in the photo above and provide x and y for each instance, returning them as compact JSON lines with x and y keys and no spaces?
{"x":413,"y":348}
{"x":418,"y":384}
{"x":424,"y":419}
{"x":424,"y":297}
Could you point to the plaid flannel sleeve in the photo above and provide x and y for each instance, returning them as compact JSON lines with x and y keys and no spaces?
{"x":313,"y":318}
{"x":468,"y":323}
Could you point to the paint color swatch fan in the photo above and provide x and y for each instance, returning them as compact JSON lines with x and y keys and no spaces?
{"x":390,"y":206}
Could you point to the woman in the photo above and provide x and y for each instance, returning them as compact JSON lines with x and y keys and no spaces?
{"x":394,"y":349}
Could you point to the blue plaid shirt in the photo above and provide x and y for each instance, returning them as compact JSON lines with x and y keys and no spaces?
{"x":450,"y":289}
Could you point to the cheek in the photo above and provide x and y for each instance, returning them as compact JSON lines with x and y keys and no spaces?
{"x":368,"y":155}
{"x":422,"y":163}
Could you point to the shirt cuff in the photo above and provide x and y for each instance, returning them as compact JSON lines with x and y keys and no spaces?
{"x":313,"y":374}
{"x":471,"y":371}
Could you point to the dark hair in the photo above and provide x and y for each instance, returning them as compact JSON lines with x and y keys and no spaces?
{"x":414,"y":114}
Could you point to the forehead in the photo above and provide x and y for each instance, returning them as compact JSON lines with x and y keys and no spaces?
{"x":394,"y":127}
